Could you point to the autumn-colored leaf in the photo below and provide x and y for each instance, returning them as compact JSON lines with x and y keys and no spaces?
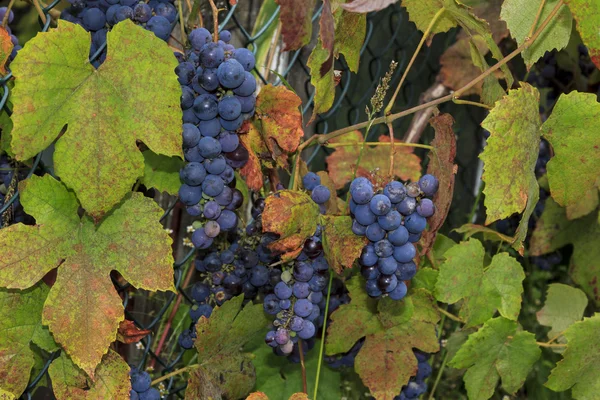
{"x":279,"y":121}
{"x":299,"y":396}
{"x":332,"y":204}
{"x":258,"y":154}
{"x":441,"y":165}
{"x":257,"y":396}
{"x":458,"y":68}
{"x":6,"y":46}
{"x":83,"y":309}
{"x":340,"y":244}
{"x":342,"y":162}
{"x":129,"y":333}
{"x":111,"y":379}
{"x":293,"y":216}
{"x":296,"y":22}
{"x":327,"y":33}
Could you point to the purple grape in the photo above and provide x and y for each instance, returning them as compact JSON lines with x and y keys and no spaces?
{"x":426,"y":208}
{"x":429,"y":185}
{"x":320,"y":194}
{"x":395,"y":191}
{"x":405,"y":253}
{"x":380,"y":204}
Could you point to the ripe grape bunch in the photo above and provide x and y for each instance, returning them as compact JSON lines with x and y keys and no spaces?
{"x":417,"y":386}
{"x":141,"y":386}
{"x":392,"y":221}
{"x":217,"y":96}
{"x":97,"y":16}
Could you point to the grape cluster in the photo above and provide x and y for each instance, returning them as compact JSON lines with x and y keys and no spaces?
{"x":217,"y":96}
{"x":97,"y":16}
{"x":417,"y":386}
{"x":319,"y":194}
{"x":13,"y":38}
{"x":392,"y":221}
{"x":141,"y":386}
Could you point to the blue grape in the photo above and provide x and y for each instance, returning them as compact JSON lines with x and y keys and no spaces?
{"x":311,"y":181}
{"x":405,"y":253}
{"x":390,"y":221}
{"x":399,"y":236}
{"x":212,"y":210}
{"x":212,"y":229}
{"x":190,"y":117}
{"x":229,"y":141}
{"x":296,"y":324}
{"x":320,"y":194}
{"x":414,"y":237}
{"x":206,"y":107}
{"x":166,"y":10}
{"x":395,"y":191}
{"x":208,"y":80}
{"x":358,"y":229}
{"x":259,"y":276}
{"x":212,"y":185}
{"x":142,"y":12}
{"x":368,"y":256}
{"x":429,"y":185}
{"x":371,"y":272}
{"x":193,"y":174}
{"x":190,"y":195}
{"x":187,"y":97}
{"x":233,"y":125}
{"x":372,"y":288}
{"x":362,"y":192}
{"x":248,"y":86}
{"x":308,"y":330}
{"x":387,"y":283}
{"x":407,"y":206}
{"x":228,"y":220}
{"x":383,"y":248}
{"x":282,"y":336}
{"x":211,"y":56}
{"x":415,"y":223}
{"x":406,"y":271}
{"x":140,"y":381}
{"x":387,"y":265}
{"x":199,"y":37}
{"x":210,"y":128}
{"x":380,"y":204}
{"x":301,"y":290}
{"x":225,"y":36}
{"x":245,"y":58}
{"x":215,"y":166}
{"x":126,"y":12}
{"x":247,"y":102}
{"x":374,"y":232}
{"x":158,"y":25}
{"x":364,"y":215}
{"x":283,"y":291}
{"x":399,"y":291}
{"x":271,"y":304}
{"x":200,"y":240}
{"x":11,"y":14}
{"x":285,"y":304}
{"x":303,"y":272}
{"x":209,"y":147}
{"x":303,"y":308}
{"x":231,"y":73}
{"x":186,"y":339}
{"x":317,"y":282}
{"x":93,"y":19}
{"x":185,"y":72}
{"x":191,"y":135}
{"x":203,"y":310}
{"x":426,"y":208}
{"x":200,"y":292}
{"x":229,"y":108}
{"x":195,"y":210}
{"x":315,"y":297}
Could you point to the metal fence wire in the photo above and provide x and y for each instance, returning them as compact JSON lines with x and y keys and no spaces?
{"x":389,"y":36}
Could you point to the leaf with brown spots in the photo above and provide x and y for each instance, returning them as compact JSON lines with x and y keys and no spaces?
{"x":554,"y":231}
{"x":129,"y":333}
{"x":106,"y":110}
{"x":161,"y":172}
{"x":21,"y":324}
{"x":83,"y":309}
{"x":573,"y":132}
{"x":257,"y":396}
{"x":279,"y":121}
{"x":342,"y":162}
{"x":340,"y":244}
{"x":294,"y":217}
{"x":6,"y":46}
{"x":441,"y":165}
{"x":296,"y":22}
{"x":391,"y":335}
{"x":258,"y":155}
{"x":111,"y":379}
{"x":587,"y":15}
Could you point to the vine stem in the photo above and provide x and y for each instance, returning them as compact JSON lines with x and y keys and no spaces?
{"x":537,"y":18}
{"x":555,"y":345}
{"x":302,"y":366}
{"x":7,"y":14}
{"x":322,"y":345}
{"x":215,"y":12}
{"x":392,"y":150}
{"x":472,"y":103}
{"x":450,"y":315}
{"x":323,"y":138}
{"x":181,"y":22}
{"x":37,"y":6}
{"x":439,"y":376}
{"x":172,"y":374}
{"x":437,"y":15}
{"x":557,"y":336}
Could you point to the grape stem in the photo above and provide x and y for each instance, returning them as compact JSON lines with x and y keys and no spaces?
{"x":181,"y":22}
{"x":324,"y":138}
{"x":472,"y":103}
{"x":39,"y":10}
{"x":439,"y":376}
{"x":322,"y":344}
{"x":450,"y":315}
{"x":302,"y":366}
{"x":399,"y":144}
{"x":7,"y":14}
{"x":172,"y":374}
{"x":392,"y":150}
{"x":537,"y":18}
{"x":215,"y":12}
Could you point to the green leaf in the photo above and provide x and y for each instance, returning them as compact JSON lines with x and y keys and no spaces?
{"x":21,"y":324}
{"x":105,"y":110}
{"x":340,"y":245}
{"x":324,"y":84}
{"x":83,"y":309}
{"x":483,"y":291}
{"x":421,"y":12}
{"x":491,"y":90}
{"x":554,"y":231}
{"x":161,"y":172}
{"x":579,"y":367}
{"x":294,"y":217}
{"x":349,"y":37}
{"x":425,"y":278}
{"x":520,"y":16}
{"x":496,"y":351}
{"x":468,"y":230}
{"x":6,"y":128}
{"x":296,"y":22}
{"x":572,"y":130}
{"x":514,"y":140}
{"x":564,"y":306}
{"x":587,"y":15}
{"x":223,"y":369}
{"x":111,"y":379}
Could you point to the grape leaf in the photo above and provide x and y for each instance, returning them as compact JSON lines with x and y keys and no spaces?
{"x":554,"y":231}
{"x":6,"y":46}
{"x":299,"y":396}
{"x":520,"y":16}
{"x":111,"y":379}
{"x":441,"y":165}
{"x":83,"y":310}
{"x":496,"y":351}
{"x":296,"y":22}
{"x":6,"y":125}
{"x":324,"y":84}
{"x":340,"y":244}
{"x":585,"y":205}
{"x":257,"y":396}
{"x":223,"y":370}
{"x":421,"y":12}
{"x":498,"y":287}
{"x":279,"y":121}
{"x":366,"y":6}
{"x":572,"y":130}
{"x":514,"y":140}
{"x":391,"y":334}
{"x":587,"y":15}
{"x":258,"y":156}
{"x":106,"y":110}
{"x":21,"y":324}
{"x":425,"y":279}
{"x":294,"y":217}
{"x":468,"y":230}
{"x":341,"y":164}
{"x":491,"y":91}
{"x":349,"y":37}
{"x":161,"y":172}
{"x":129,"y":333}
{"x":564,"y":306}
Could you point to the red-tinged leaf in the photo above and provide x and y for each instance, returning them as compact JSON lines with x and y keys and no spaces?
{"x":257,"y":396}
{"x":366,"y":6}
{"x":327,"y":33}
{"x":293,"y":216}
{"x":83,"y":309}
{"x":257,"y":151}
{"x":129,"y":333}
{"x":299,"y":396}
{"x":280,"y":121}
{"x":296,"y":22}
{"x":441,"y":165}
{"x":340,"y":244}
{"x":6,"y":46}
{"x":111,"y":379}
{"x":587,"y":15}
{"x":342,"y":162}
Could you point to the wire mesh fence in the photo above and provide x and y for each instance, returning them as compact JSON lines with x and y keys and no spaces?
{"x":390,"y":36}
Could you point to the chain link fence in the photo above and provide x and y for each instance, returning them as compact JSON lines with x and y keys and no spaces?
{"x":390,"y":36}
